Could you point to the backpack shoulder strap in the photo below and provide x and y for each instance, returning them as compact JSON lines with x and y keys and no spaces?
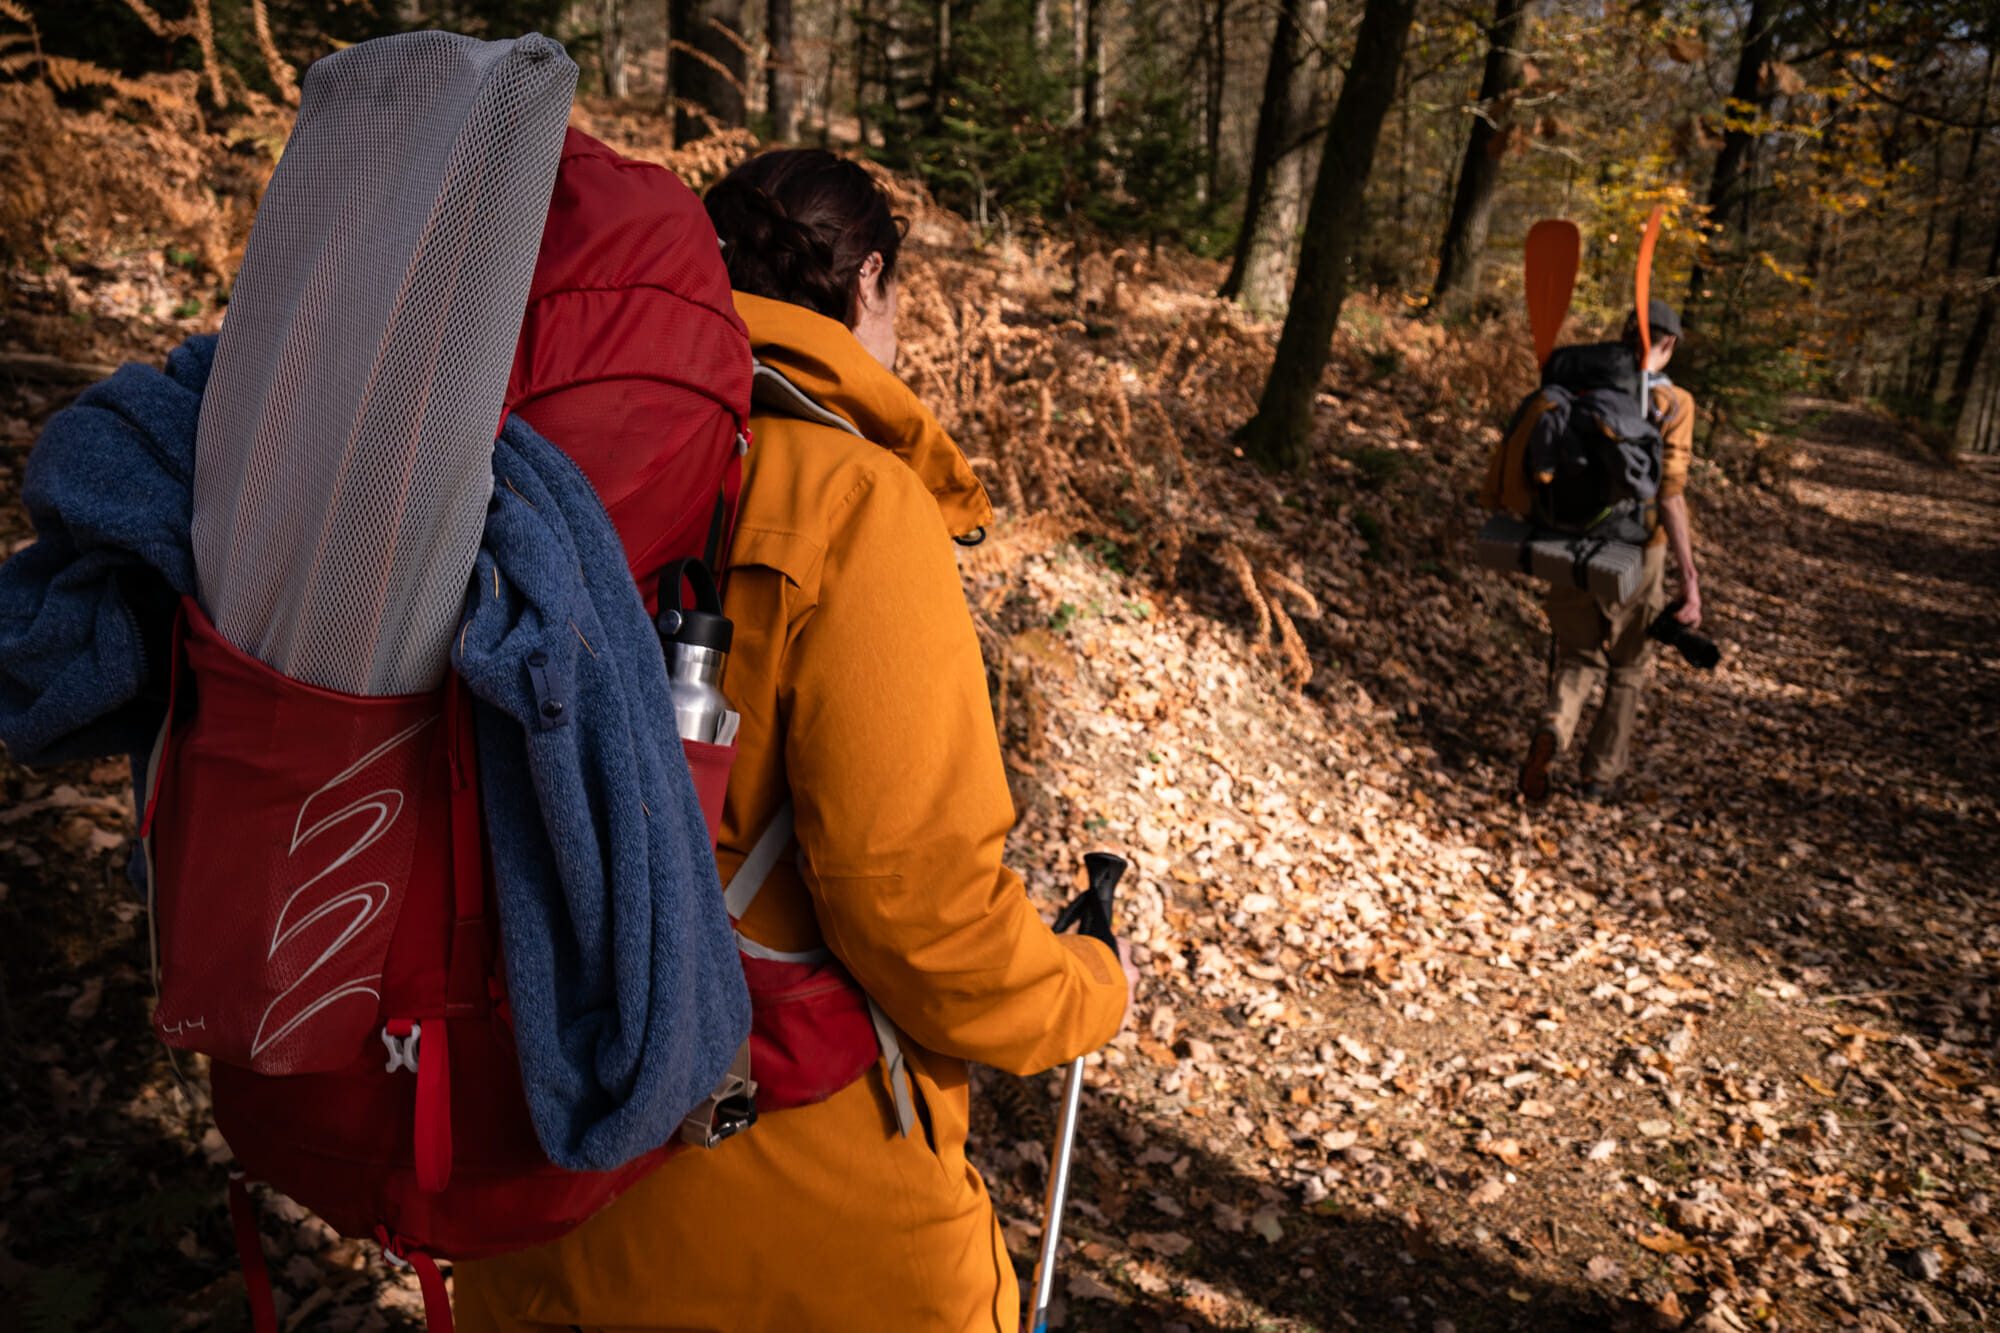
{"x":748,"y":882}
{"x":749,"y":878}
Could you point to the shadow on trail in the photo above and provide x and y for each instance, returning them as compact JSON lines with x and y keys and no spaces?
{"x":1343,"y":1264}
{"x":1891,"y":548}
{"x":1849,"y":754}
{"x":112,"y":1212}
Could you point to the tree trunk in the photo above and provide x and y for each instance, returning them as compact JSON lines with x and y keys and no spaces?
{"x":1280,"y":435}
{"x":1955,"y":245}
{"x":1041,"y":24}
{"x":781,"y":79}
{"x":1267,"y":280}
{"x":1974,"y":350}
{"x":863,"y":21}
{"x":1911,"y":360}
{"x":611,"y":46}
{"x":1218,"y":67}
{"x":1989,"y":418}
{"x":707,"y":66}
{"x":940,"y":62}
{"x":1093,"y":63}
{"x":1275,"y":189}
{"x":1402,"y":162}
{"x":1472,"y":204}
{"x":827,"y":93}
{"x":1760,"y":41}
{"x":1079,"y":36}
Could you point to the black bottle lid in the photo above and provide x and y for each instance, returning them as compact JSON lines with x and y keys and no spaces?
{"x":697,"y":622}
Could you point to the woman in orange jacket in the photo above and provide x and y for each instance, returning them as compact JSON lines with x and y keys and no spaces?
{"x":864,"y":706}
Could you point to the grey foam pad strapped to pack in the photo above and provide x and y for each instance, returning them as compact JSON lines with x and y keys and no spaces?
{"x":1611,"y":570}
{"x":344,"y":457}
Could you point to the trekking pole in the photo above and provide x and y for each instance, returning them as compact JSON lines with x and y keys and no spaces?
{"x":1090,"y":913}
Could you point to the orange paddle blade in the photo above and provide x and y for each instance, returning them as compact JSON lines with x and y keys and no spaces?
{"x":1645,"y":281}
{"x":1554,"y":248}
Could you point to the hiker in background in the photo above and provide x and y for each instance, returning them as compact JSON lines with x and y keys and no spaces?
{"x":864,"y":711}
{"x":1604,"y":642}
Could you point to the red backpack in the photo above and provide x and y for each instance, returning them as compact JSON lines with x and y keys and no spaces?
{"x":295,"y":833}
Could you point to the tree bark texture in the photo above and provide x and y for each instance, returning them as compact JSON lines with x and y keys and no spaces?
{"x":940,"y":62}
{"x":611,"y":46}
{"x":1280,"y":435}
{"x":1955,"y":244}
{"x":1472,"y":203}
{"x":827,"y":94}
{"x":707,"y":67}
{"x":1093,"y":63}
{"x":1974,"y":350}
{"x":781,"y":78}
{"x":1273,"y":196}
{"x":1217,"y":47}
{"x":1079,"y":36}
{"x":1727,"y":185}
{"x":1912,"y":361}
{"x":863,"y":23}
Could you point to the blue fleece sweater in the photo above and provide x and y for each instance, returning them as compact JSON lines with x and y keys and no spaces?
{"x":629,"y":1002}
{"x":627,"y":996}
{"x":87,"y":612}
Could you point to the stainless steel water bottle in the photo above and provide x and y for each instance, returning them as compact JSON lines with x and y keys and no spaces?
{"x":695,"y":636}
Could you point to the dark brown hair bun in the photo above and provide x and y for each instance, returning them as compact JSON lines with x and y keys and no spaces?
{"x":797,"y":224}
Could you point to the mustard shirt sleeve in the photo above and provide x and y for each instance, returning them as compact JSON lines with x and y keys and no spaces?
{"x":902,"y":804}
{"x":1677,"y":433}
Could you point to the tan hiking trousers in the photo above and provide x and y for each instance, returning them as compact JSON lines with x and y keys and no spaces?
{"x":1603,"y":643}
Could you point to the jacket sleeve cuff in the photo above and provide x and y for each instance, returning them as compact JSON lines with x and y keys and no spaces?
{"x":1106,"y":997}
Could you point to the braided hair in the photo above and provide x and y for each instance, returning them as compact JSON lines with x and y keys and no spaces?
{"x":797,"y":224}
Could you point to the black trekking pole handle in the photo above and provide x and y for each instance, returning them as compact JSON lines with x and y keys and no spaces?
{"x":1090,"y":911}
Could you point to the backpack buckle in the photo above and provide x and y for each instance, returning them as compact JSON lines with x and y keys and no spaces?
{"x":402,"y":1044}
{"x":726,"y":1112}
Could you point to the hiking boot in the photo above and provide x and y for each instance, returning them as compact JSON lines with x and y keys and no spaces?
{"x":1598,"y":793}
{"x":1535,"y":772}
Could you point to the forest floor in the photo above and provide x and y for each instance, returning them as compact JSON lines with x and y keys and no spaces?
{"x":1408,"y":1054}
{"x":1718,"y":1055}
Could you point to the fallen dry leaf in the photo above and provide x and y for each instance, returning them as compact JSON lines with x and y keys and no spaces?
{"x":1084,"y":1287}
{"x":84,"y":1007}
{"x":1661,"y":1241}
{"x":1172,"y":1244}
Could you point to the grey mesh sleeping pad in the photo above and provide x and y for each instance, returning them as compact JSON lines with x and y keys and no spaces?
{"x":344,"y":457}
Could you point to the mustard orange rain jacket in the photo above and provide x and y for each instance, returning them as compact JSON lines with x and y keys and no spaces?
{"x":864,"y":702}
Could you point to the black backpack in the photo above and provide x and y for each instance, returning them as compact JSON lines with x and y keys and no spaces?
{"x":1594,"y":456}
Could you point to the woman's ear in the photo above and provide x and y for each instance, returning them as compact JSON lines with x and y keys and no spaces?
{"x":874,"y":318}
{"x":870,"y":285}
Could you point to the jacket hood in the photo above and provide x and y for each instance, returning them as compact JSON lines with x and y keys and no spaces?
{"x":820,"y":357}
